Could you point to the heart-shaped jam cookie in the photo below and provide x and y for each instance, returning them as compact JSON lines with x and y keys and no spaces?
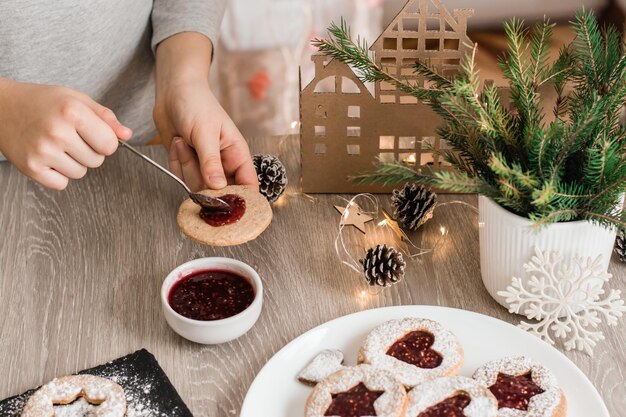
{"x":414,"y":350}
{"x":523,"y":388}
{"x":358,"y":391}
{"x":454,"y":396}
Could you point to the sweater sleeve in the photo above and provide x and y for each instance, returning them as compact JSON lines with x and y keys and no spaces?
{"x":170,"y":17}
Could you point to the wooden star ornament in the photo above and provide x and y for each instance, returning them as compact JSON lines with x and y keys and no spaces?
{"x":353,"y":216}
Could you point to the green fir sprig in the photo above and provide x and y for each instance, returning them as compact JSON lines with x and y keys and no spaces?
{"x":571,"y":168}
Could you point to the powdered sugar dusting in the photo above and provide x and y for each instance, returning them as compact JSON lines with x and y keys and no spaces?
{"x":326,"y":363}
{"x":430,"y":393}
{"x":374,"y":350}
{"x":390,"y":404}
{"x":541,"y":405}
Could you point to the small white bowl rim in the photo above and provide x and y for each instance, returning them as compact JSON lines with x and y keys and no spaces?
{"x":221,"y":322}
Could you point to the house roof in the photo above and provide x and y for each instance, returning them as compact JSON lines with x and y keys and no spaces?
{"x":414,"y":8}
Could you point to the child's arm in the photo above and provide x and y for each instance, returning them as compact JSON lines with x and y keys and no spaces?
{"x":53,"y":134}
{"x":185,"y":107}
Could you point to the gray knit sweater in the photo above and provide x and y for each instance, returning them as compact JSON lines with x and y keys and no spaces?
{"x":104,"y":48}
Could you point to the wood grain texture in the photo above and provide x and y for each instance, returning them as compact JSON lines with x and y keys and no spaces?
{"x":81,"y":270}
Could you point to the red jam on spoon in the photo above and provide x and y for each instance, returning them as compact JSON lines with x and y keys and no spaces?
{"x":211,"y":295}
{"x":450,"y":407}
{"x":356,"y":402}
{"x":222,"y":218}
{"x":415,"y":348}
{"x":514,"y":391}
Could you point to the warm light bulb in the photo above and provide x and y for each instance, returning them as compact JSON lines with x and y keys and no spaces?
{"x":443,"y":230}
{"x":382,"y":222}
{"x":410,"y":159}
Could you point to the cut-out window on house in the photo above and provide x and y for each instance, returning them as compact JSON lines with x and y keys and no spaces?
{"x":387,"y":99}
{"x":348,"y":86}
{"x":386,"y":156}
{"x":320,"y":131}
{"x":353,"y":131}
{"x":443,"y":144}
{"x":433,"y":24}
{"x":354,"y":149}
{"x":407,"y":71}
{"x":432,"y":44}
{"x":451,"y":44}
{"x":408,"y":157}
{"x":320,"y":148}
{"x":354,"y":111}
{"x":326,"y":85}
{"x":449,"y":27}
{"x":386,"y":142}
{"x":390,"y":43}
{"x":385,"y":86}
{"x":427,"y":159}
{"x":452,"y":61}
{"x":410,"y":24}
{"x":408,"y":100}
{"x":388,"y":61}
{"x":428,"y":142}
{"x":320,"y":111}
{"x":406,"y":142}
{"x":409,"y":44}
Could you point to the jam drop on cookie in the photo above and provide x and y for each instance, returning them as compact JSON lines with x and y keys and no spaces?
{"x":514,"y":391}
{"x":415,"y":348}
{"x":222,"y":218}
{"x":450,"y":407}
{"x":356,"y":402}
{"x":211,"y":295}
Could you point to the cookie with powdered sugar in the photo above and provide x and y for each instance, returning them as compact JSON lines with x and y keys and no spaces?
{"x":361,"y":390}
{"x":105,"y":393}
{"x":523,"y":388}
{"x":326,"y":363}
{"x":413,"y":349}
{"x":451,"y":396}
{"x":252,"y":215}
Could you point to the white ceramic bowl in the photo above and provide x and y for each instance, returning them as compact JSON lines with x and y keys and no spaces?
{"x":215,"y":331}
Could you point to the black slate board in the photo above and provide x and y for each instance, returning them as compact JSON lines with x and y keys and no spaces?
{"x":148,"y":390}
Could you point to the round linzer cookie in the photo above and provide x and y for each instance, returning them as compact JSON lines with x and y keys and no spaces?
{"x":249,"y":216}
{"x":414,"y":350}
{"x":357,"y":391}
{"x":451,"y":396}
{"x":95,"y":390}
{"x":523,"y":388}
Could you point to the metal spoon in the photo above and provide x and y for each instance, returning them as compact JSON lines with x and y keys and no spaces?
{"x":206,"y":202}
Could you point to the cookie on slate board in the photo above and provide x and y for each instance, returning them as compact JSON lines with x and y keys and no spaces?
{"x":148,"y":390}
{"x":523,"y":388}
{"x":414,"y":350}
{"x":255,"y":219}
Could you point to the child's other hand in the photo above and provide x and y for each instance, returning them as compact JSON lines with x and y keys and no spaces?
{"x":53,"y":134}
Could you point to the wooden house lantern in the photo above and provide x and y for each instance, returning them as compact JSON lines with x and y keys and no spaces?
{"x":344,"y":128}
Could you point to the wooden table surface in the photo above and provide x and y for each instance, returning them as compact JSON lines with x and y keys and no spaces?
{"x":81,"y":271}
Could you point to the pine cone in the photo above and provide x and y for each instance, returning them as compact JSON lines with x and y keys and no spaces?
{"x":383,"y":266}
{"x":620,"y":246}
{"x":413,"y":205}
{"x":272,"y":176}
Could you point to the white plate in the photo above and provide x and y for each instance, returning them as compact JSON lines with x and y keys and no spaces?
{"x":277,"y":393}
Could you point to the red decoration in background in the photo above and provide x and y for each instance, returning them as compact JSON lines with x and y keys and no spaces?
{"x":258,"y":85}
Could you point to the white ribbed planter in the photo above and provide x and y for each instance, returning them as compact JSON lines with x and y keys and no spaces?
{"x":507,"y":242}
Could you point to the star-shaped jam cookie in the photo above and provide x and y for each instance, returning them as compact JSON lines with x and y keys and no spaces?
{"x":515,"y":391}
{"x":356,"y":402}
{"x":450,"y":407}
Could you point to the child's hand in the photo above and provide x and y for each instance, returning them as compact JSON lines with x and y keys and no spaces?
{"x":205,"y":147}
{"x":52,"y":134}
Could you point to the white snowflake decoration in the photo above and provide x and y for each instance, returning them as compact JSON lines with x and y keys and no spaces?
{"x":565,"y":299}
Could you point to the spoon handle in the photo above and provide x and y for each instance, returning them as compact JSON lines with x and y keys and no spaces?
{"x":150,"y":161}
